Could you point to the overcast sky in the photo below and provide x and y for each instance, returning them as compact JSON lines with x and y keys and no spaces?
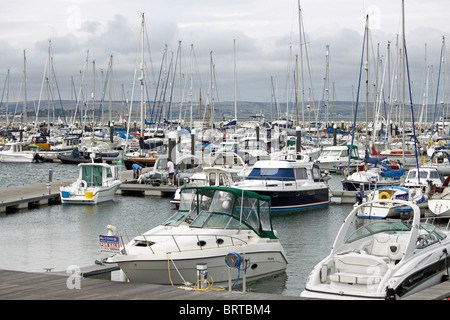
{"x":266,"y":34}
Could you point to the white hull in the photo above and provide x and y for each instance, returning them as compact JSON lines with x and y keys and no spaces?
{"x":168,"y":271}
{"x":99,"y":195}
{"x":16,"y":157}
{"x":439,"y":207}
{"x":385,"y":259}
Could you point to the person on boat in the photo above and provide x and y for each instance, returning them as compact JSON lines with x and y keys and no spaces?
{"x":171,"y":168}
{"x":136,"y":170}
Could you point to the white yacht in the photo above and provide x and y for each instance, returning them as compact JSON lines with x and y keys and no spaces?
{"x":291,"y":184}
{"x":337,"y":158}
{"x":96,"y":183}
{"x":381,"y":259}
{"x":17,"y":152}
{"x":389,"y":209}
{"x":211,"y":223}
{"x":210,"y":176}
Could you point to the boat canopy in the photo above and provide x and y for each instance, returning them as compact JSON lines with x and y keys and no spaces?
{"x":224,"y":208}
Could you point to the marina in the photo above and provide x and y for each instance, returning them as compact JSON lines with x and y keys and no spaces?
{"x":163,"y":190}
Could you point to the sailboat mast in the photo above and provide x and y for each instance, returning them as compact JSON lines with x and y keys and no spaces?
{"x":25,"y":88}
{"x":141,"y":78}
{"x":367,"y":82}
{"x":235,"y":98}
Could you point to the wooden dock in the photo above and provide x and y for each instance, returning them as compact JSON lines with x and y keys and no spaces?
{"x":39,"y":194}
{"x":18,"y":285}
{"x":29,"y":196}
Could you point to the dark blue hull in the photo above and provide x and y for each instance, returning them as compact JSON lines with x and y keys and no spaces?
{"x":282,"y":201}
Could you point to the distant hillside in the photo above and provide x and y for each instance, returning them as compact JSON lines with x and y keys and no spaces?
{"x":337,"y":111}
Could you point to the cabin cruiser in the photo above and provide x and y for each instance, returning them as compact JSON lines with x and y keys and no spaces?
{"x":96,"y":183}
{"x":291,"y":184}
{"x":18,"y":152}
{"x":389,"y":209}
{"x":381,"y":258}
{"x":439,"y":202}
{"x":337,"y":158}
{"x":426,"y":175}
{"x":211,"y":223}
{"x":210,"y":176}
{"x":185,"y":166}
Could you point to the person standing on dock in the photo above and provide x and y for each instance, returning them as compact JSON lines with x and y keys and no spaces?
{"x":136,"y":170}
{"x":171,"y":168}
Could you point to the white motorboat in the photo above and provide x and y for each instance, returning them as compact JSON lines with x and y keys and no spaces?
{"x":96,"y":183}
{"x":337,"y":158}
{"x":211,"y":224}
{"x":426,"y":175}
{"x":439,"y":202}
{"x":210,"y":176}
{"x":17,"y":152}
{"x":291,"y":184}
{"x":381,"y":259}
{"x":389,"y":209}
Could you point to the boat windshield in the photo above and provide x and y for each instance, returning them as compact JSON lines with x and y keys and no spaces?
{"x":271,"y":174}
{"x":429,"y":235}
{"x":333,"y":153}
{"x":92,"y":175}
{"x":363,"y":228}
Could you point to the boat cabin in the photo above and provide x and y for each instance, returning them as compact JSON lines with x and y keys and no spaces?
{"x":224,"y":208}
{"x":98,"y":174}
{"x":285,"y":170}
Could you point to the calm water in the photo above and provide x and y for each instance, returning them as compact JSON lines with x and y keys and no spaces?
{"x":60,"y":236}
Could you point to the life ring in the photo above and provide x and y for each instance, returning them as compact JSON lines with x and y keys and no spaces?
{"x":440,"y":143}
{"x":384,"y":196}
{"x":423,"y":159}
{"x":429,"y":143}
{"x":82,"y":185}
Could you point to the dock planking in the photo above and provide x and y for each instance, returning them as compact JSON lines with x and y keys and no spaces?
{"x":19,"y":285}
{"x":46,"y":193}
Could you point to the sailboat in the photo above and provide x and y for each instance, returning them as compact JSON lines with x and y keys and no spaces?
{"x":145,"y":156}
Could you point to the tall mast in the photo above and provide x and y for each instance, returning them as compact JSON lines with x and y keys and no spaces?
{"x":235,"y":98}
{"x":25,"y":88}
{"x":141,"y":78}
{"x":300,"y":22}
{"x":367,"y":82}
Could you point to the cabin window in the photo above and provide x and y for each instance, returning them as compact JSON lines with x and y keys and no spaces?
{"x":212,"y":179}
{"x":92,"y":175}
{"x":434,"y":175}
{"x":223,"y":179}
{"x":272,"y":173}
{"x":108,"y":173}
{"x":264,"y":215}
{"x":247,"y":211}
{"x":300,"y":173}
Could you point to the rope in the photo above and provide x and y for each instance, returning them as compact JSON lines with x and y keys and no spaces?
{"x":187,"y":285}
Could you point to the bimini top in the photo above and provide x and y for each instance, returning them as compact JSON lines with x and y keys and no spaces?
{"x":224,"y":208}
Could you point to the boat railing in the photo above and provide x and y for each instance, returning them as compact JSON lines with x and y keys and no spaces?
{"x":442,"y":223}
{"x":203,"y":241}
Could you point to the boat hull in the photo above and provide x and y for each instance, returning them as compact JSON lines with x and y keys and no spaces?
{"x":173,"y":270}
{"x":439,"y":207}
{"x":99,"y":195}
{"x":283,"y":200}
{"x":17,"y":158}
